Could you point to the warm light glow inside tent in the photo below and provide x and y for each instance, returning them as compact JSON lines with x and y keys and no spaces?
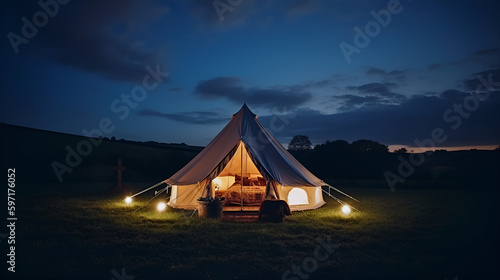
{"x":297,"y":197}
{"x":237,"y":167}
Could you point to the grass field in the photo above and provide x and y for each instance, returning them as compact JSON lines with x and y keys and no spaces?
{"x":411,"y":234}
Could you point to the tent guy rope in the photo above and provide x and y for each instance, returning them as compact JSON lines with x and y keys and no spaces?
{"x":157,"y":194}
{"x":339,"y":200}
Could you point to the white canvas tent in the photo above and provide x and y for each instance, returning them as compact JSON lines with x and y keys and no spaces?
{"x":244,"y":149}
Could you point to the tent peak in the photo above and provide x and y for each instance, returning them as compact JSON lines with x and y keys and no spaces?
{"x":245,"y":110}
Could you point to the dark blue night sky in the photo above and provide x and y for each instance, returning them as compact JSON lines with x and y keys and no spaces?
{"x":175,"y":71}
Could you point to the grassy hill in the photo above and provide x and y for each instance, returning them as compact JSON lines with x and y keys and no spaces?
{"x":33,"y":152}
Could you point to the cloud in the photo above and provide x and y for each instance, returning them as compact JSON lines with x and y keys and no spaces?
{"x":222,"y":87}
{"x":195,"y":117}
{"x":380,"y":88}
{"x":104,"y":38}
{"x":489,"y":58}
{"x":371,"y":94}
{"x":486,"y":57}
{"x":230,"y":88}
{"x":397,"y":75}
{"x":475,"y":84}
{"x":453,"y":94}
{"x":350,"y":101}
{"x":439,"y":76}
{"x":333,"y":82}
{"x":400,"y":76}
{"x":415,"y":118}
{"x":277,"y":98}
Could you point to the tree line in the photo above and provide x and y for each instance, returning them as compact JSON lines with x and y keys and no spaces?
{"x":369,"y":160}
{"x":360,"y":159}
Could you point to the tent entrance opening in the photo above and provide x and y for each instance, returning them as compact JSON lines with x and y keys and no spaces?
{"x":240,"y":182}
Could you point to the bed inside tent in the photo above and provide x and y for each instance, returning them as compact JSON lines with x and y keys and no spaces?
{"x":240,"y":182}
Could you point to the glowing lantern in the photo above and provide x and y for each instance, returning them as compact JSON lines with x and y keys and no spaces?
{"x":161,"y":206}
{"x":128,"y":200}
{"x":346,"y":209}
{"x":217,"y":183}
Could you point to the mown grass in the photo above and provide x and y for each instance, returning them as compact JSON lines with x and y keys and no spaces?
{"x":402,"y":235}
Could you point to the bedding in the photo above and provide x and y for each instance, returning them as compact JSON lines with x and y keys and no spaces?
{"x":253,"y":191}
{"x":252,"y":195}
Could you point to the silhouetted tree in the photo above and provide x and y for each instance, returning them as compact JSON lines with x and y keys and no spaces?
{"x":337,"y":145}
{"x":363,"y":146}
{"x":300,"y":143}
{"x":332,"y":159}
{"x":337,"y":148}
{"x":401,"y":151}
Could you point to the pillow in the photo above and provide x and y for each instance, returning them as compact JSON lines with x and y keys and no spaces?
{"x":237,"y":180}
{"x":246,"y":181}
{"x":262,"y":181}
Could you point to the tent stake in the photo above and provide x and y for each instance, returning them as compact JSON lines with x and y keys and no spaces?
{"x":193,"y":212}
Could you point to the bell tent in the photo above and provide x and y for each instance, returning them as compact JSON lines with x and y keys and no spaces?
{"x":245,"y":164}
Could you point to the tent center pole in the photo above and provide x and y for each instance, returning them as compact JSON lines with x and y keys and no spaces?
{"x":241,"y":183}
